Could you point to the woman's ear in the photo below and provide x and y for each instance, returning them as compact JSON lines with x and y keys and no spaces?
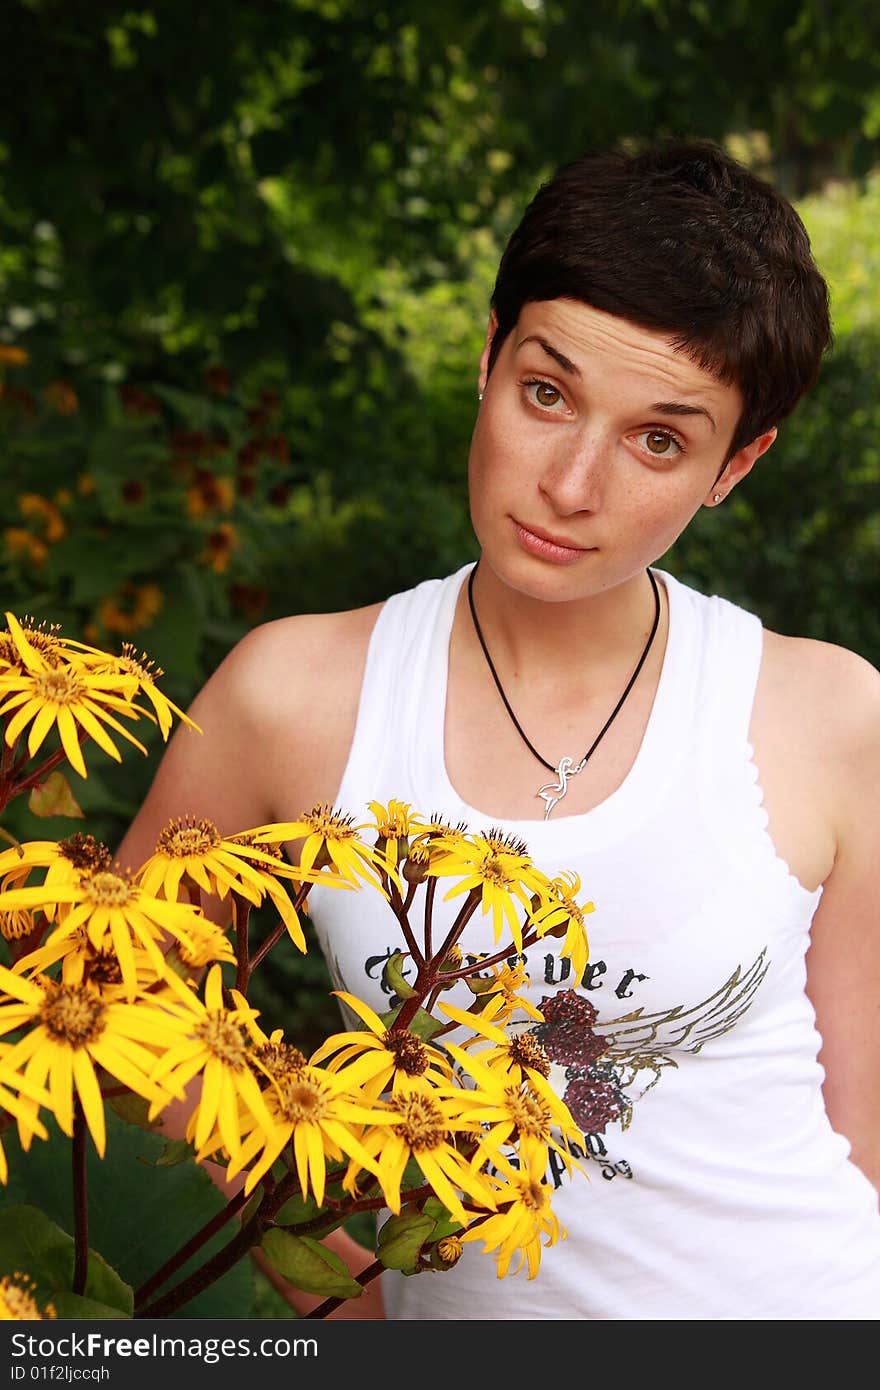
{"x":487,"y":348}
{"x":738,"y":466}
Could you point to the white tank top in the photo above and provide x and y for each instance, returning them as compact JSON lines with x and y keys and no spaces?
{"x":717,"y":1188}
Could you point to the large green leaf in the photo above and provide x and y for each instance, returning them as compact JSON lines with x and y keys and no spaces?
{"x":140,"y":1211}
{"x":71,"y":1305}
{"x":309,"y":1265}
{"x":32,"y":1244}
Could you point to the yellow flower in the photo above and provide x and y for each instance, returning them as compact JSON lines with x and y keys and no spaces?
{"x":34,"y":507}
{"x":210,"y":493}
{"x":559,"y":914}
{"x":132,"y":608}
{"x":219,"y":546}
{"x":19,"y":1110}
{"x":64,"y":696}
{"x":521,"y":1114}
{"x":63,"y":861}
{"x":14,"y":926}
{"x":502,"y":992}
{"x":13,"y":356}
{"x":500,"y":870}
{"x":60,"y":396}
{"x":69,"y":1030}
{"x":115,"y":912}
{"x":525,"y":1216}
{"x":214,"y":1041}
{"x":145,"y":673}
{"x":330,"y":839}
{"x":393,"y":824}
{"x":382,"y":1056}
{"x":317,"y":1112}
{"x":17,"y":1301}
{"x":206,"y":943}
{"x":81,"y":962}
{"x":20,"y":541}
{"x":421,"y":1123}
{"x":517,"y":1053}
{"x":18,"y":645}
{"x":219,"y":865}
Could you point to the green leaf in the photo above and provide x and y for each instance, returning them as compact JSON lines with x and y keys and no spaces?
{"x":401,"y":1240}
{"x":71,"y":1305}
{"x":54,"y":797}
{"x":423,"y":1024}
{"x":393,"y":976}
{"x":444,"y":1224}
{"x":140,"y":1213}
{"x":32,"y":1243}
{"x":175,"y":1151}
{"x":256,"y":1201}
{"x":132,"y":1108}
{"x":296,"y":1210}
{"x":309,"y":1265}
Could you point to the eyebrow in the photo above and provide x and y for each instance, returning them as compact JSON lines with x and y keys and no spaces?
{"x":661,"y":407}
{"x":565,"y":362}
{"x":679,"y":408}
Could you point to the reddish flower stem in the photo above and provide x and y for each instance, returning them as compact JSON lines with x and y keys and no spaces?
{"x":80,"y":1202}
{"x":398,"y":907}
{"x":212,"y":1270}
{"x":276,"y":935}
{"x":241,"y":911}
{"x":180,"y":1257}
{"x":429,"y":974}
{"x":430,"y":890}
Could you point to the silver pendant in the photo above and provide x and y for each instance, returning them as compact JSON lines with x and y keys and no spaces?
{"x":553,"y":792}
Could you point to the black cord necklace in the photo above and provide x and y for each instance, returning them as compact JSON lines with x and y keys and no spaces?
{"x":553,"y":792}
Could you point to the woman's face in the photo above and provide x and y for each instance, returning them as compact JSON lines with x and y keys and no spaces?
{"x":595,"y":444}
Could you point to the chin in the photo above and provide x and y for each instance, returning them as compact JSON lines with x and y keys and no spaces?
{"x":537,"y":579}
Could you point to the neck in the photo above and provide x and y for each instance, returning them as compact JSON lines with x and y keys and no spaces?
{"x":531,"y":636}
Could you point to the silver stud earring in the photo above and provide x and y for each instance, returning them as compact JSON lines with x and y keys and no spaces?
{"x":718,"y":497}
{"x":479,"y":395}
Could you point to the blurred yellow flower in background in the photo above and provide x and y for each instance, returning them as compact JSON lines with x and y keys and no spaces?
{"x":11,"y":356}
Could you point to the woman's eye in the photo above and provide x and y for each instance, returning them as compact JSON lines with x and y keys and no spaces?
{"x":542,"y":394}
{"x":660,"y":443}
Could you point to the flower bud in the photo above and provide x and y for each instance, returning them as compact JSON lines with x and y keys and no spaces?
{"x":393,"y":976}
{"x":446,"y":1253}
{"x":415,"y":868}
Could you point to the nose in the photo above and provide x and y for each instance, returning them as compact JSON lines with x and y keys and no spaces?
{"x":575,"y":477}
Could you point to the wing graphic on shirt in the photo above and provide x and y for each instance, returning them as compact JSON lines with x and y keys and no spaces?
{"x":686,"y":1029}
{"x":601,"y":1067}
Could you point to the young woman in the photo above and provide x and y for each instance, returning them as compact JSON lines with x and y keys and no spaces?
{"x":715,"y":785}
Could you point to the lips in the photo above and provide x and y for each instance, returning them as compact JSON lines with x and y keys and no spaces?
{"x":561,"y":542}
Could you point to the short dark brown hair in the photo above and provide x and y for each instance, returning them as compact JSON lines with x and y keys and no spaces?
{"x":682,"y":238}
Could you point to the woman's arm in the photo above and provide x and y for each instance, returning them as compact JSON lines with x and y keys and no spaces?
{"x":277,"y":718}
{"x":843,"y":962}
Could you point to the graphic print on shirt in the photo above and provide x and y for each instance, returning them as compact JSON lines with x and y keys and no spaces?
{"x":602,"y":1067}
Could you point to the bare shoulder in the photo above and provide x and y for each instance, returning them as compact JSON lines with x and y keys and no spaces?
{"x":827,"y":687}
{"x":293,"y":687}
{"x":275,"y":722}
{"x":296,"y":664}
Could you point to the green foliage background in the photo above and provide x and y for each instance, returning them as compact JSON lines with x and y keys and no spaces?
{"x":247,"y":252}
